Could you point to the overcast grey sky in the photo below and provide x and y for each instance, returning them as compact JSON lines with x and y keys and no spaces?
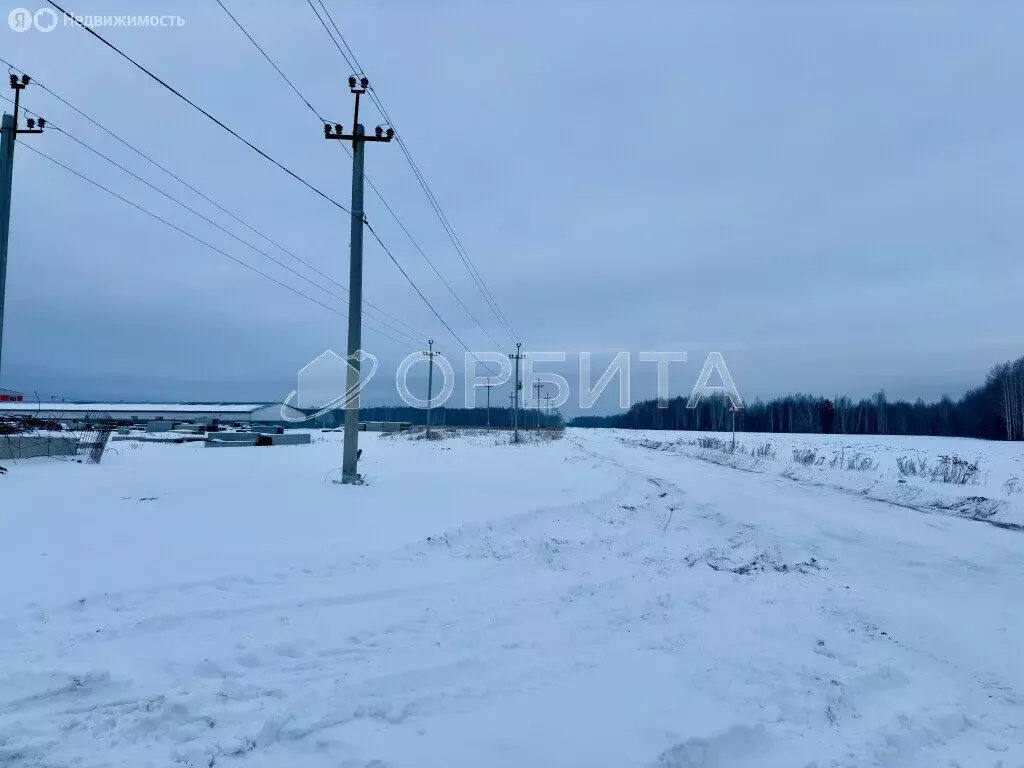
{"x":829,"y":193}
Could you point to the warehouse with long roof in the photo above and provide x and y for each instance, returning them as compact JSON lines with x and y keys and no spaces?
{"x":243,"y":413}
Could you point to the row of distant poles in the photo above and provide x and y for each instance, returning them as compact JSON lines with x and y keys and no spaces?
{"x":9,"y":132}
{"x":430,"y":353}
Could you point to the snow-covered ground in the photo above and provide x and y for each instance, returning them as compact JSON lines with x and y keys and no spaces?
{"x":980,"y":479}
{"x":609,"y":599}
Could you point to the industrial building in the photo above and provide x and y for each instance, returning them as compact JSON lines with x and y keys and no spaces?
{"x":10,"y":396}
{"x":224,"y":413}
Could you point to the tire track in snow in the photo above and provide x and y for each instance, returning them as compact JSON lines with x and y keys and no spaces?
{"x":219,"y":682}
{"x":478,"y":616}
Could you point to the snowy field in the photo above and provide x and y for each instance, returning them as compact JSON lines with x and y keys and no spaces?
{"x":980,"y":479}
{"x":609,"y":599}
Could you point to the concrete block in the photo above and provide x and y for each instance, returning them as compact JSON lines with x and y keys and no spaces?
{"x":383,"y":426}
{"x":192,"y":429}
{"x":159,"y":426}
{"x":29,"y":446}
{"x":239,"y":436}
{"x":217,"y":443}
{"x":165,"y":437}
{"x":290,"y":438}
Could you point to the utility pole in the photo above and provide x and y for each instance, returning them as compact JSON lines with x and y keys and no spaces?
{"x":515,"y":395}
{"x":547,"y":397}
{"x":8,"y":134}
{"x":489,"y":385}
{"x":358,"y":137}
{"x":511,"y":409}
{"x":430,"y":379}
{"x":732,"y":408}
{"x":537,"y":386}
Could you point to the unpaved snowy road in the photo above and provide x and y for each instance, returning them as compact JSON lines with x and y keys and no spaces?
{"x":659,"y":611}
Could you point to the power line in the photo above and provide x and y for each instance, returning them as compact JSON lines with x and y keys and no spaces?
{"x":226,"y":231}
{"x":452,"y":236}
{"x":447,"y":285}
{"x":449,"y":230}
{"x":199,"y":109}
{"x":341,"y":37}
{"x":370,"y":228}
{"x":348,"y":61}
{"x":415,"y":338}
{"x":425,"y":300}
{"x":196,"y":238}
{"x":376,"y":191}
{"x":193,"y":189}
{"x":270,"y":60}
{"x":356,"y":66}
{"x":236,"y":135}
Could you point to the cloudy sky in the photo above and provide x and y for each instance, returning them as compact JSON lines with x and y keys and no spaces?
{"x":828,"y":193}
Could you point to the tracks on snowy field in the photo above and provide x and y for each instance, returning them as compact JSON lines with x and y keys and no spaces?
{"x":677,"y":620}
{"x":207,"y":672}
{"x":967,"y":506}
{"x":921,"y":605}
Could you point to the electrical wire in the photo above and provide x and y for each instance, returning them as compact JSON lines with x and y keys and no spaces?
{"x":240,"y":138}
{"x":199,"y":109}
{"x":193,"y":189}
{"x":348,"y":61}
{"x":226,"y":231}
{"x":372,"y":186}
{"x":431,"y":198}
{"x":416,"y":339}
{"x":357,"y":67}
{"x":425,"y":301}
{"x":197,"y":239}
{"x":269,"y":60}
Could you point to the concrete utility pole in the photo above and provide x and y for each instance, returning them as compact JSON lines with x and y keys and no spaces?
{"x":489,"y":386}
{"x":430,"y":379}
{"x":8,"y":134}
{"x":537,"y":386}
{"x":732,"y":408}
{"x":358,"y":137}
{"x":515,"y":395}
{"x":547,"y":397}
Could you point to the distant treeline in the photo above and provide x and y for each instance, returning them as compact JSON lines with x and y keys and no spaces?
{"x":993,"y":411}
{"x":453,"y":417}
